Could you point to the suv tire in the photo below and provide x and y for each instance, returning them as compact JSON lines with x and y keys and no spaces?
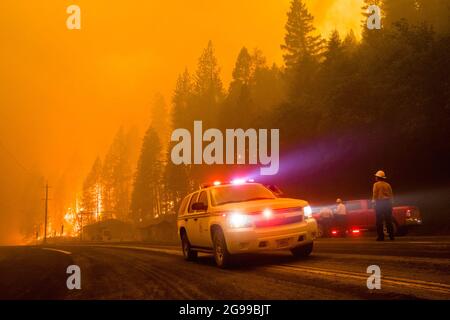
{"x":188,"y":253}
{"x":221,"y":254}
{"x":303,"y":251}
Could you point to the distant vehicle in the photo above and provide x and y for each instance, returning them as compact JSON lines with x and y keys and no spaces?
{"x":361,"y":216}
{"x":241,"y":217}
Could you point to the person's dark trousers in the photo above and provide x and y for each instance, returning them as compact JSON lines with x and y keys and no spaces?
{"x":383,"y":209}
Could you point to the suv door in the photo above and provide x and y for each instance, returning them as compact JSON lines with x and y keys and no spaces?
{"x":204,"y":237}
{"x":191,"y":221}
{"x":182,"y":210}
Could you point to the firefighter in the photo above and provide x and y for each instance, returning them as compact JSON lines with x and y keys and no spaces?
{"x":383,"y":200}
{"x":341,"y":217}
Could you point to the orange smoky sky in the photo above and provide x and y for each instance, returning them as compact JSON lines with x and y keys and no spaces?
{"x":64,"y":93}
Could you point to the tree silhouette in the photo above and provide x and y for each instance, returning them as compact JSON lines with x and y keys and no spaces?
{"x":300,"y":43}
{"x":116,"y":177}
{"x":208,"y":88}
{"x":181,"y":116}
{"x":146,"y":188}
{"x":160,"y":118}
{"x":92,"y":188}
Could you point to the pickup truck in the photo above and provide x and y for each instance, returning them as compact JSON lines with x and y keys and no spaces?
{"x":361,"y":216}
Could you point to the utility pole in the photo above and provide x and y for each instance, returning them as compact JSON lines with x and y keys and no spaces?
{"x":46,"y":212}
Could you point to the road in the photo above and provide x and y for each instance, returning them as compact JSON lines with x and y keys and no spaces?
{"x":411,"y":268}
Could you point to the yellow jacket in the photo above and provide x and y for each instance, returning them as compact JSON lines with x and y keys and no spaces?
{"x":382,"y":191}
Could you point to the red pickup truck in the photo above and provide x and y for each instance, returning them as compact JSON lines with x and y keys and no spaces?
{"x":361,"y":216}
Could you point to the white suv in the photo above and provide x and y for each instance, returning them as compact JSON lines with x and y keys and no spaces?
{"x":233,"y":218}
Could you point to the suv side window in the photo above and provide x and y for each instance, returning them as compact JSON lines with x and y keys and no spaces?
{"x":203,"y":198}
{"x":193,"y":200}
{"x":183,"y":205}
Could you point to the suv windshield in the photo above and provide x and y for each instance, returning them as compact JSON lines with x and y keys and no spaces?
{"x":239,"y":193}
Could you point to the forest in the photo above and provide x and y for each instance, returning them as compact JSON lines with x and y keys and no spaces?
{"x":346,"y":106}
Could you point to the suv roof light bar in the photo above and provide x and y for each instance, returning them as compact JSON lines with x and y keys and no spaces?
{"x":233,"y":182}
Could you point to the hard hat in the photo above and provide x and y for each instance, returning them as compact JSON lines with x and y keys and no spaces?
{"x":380,"y":174}
{"x":338,"y":200}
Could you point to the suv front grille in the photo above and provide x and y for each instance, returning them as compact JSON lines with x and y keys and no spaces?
{"x":278,"y":221}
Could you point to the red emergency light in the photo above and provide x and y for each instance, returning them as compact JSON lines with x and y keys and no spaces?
{"x":238,"y":181}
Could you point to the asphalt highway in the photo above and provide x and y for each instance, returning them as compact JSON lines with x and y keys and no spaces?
{"x":411,"y":268}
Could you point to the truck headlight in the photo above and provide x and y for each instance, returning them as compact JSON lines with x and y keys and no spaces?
{"x":239,"y":220}
{"x":307,"y":211}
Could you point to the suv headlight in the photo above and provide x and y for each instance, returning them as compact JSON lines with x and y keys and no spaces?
{"x":307,"y":211}
{"x":239,"y":220}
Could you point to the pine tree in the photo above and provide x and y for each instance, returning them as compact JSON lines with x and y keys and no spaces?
{"x":181,"y":101}
{"x":258,"y":61}
{"x":236,"y":109}
{"x":303,"y":51}
{"x":176,"y":177}
{"x":208,"y":89}
{"x":207,"y":77}
{"x":91,"y":196}
{"x":334,"y":47}
{"x":116,"y":176}
{"x":160,"y":117}
{"x":300,"y":41}
{"x":350,"y":43}
{"x":243,"y":68}
{"x":267,"y":90}
{"x":146,"y":188}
